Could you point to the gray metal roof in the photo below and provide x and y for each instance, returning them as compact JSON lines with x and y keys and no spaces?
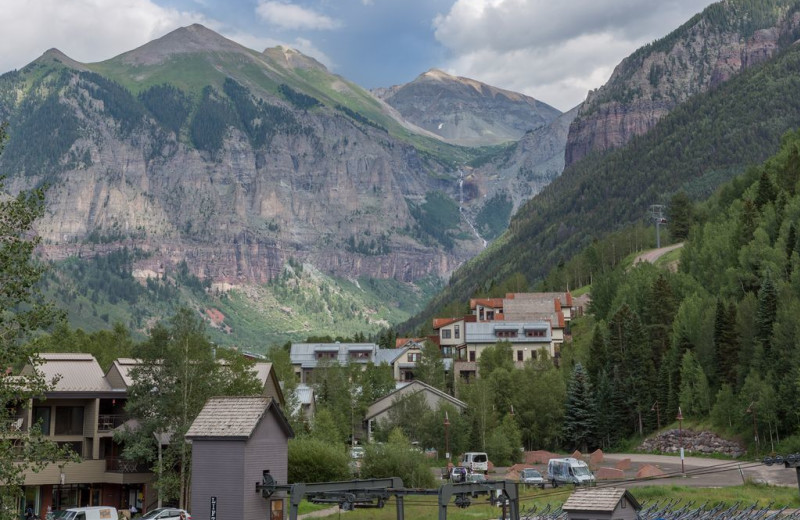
{"x":72,"y":372}
{"x":599,"y":499}
{"x":484,"y":332}
{"x":303,"y":354}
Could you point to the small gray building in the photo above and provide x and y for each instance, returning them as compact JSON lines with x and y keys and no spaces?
{"x":234,"y":440}
{"x":601,"y":504}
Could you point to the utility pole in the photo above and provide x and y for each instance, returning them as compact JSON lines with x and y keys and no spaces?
{"x":447,"y":439}
{"x":680,"y":436}
{"x":657,"y":216}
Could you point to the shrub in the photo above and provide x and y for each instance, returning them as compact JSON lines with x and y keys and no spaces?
{"x":398,"y":458}
{"x":314,"y":460}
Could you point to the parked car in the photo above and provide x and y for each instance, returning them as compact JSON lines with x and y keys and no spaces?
{"x":475,"y":461}
{"x":569,"y":471}
{"x":167,"y":513}
{"x":531,"y":477}
{"x":458,"y":474}
{"x":88,"y":513}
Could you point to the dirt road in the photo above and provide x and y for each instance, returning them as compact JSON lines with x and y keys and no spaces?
{"x":654,"y":254}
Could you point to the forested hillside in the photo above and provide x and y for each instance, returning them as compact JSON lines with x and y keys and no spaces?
{"x":697,"y":147}
{"x":719,"y":337}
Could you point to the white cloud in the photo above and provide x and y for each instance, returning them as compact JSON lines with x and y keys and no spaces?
{"x":85,"y":30}
{"x":554,"y":51}
{"x":291,"y":16}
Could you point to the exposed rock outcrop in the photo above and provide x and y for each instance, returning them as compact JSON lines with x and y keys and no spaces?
{"x":703,"y":442}
{"x":706,"y":51}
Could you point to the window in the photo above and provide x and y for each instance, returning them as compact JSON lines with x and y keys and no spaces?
{"x":505,"y":333}
{"x":472,"y":355}
{"x":535,"y":333}
{"x":456,"y":332}
{"x":69,"y":420}
{"x":445,"y":333}
{"x":413,"y":357}
{"x":42,"y":413}
{"x":520,"y":355}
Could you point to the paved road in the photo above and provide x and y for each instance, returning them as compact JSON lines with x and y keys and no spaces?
{"x":705,"y":472}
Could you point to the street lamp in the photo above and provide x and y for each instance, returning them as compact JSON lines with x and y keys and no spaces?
{"x":680,"y":435}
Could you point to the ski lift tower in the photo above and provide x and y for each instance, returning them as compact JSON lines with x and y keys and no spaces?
{"x":657,"y":215}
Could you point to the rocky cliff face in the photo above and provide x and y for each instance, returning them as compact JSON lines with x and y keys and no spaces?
{"x":320,"y":183}
{"x":526,"y":168}
{"x":465,"y":111}
{"x":725,"y":39}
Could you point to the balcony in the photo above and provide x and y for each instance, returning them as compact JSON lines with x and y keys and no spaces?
{"x":107,"y":422}
{"x":120,"y":465}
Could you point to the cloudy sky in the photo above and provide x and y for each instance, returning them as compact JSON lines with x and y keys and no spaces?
{"x":552,"y":50}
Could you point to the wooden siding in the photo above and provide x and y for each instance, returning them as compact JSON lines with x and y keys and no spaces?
{"x":217,"y":471}
{"x":267,"y":449}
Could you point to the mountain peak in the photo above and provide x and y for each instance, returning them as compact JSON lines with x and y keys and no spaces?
{"x":184,"y":40}
{"x":56,"y":57}
{"x":437,"y":74}
{"x":293,"y":59}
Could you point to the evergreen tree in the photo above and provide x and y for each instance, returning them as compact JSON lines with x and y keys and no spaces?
{"x":597,"y":359}
{"x":680,"y":215}
{"x":767,"y":311}
{"x":726,"y":346}
{"x":660,"y":305}
{"x":580,"y":411}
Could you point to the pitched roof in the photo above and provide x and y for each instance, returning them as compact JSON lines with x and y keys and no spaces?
{"x":495,"y":303}
{"x":233,"y":418}
{"x":599,"y":499}
{"x":438,"y":323}
{"x":73,"y":372}
{"x":414,"y":387}
{"x":124,"y":366}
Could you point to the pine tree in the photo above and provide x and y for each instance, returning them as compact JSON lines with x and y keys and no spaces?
{"x":680,"y":216}
{"x":726,"y":348}
{"x":580,"y":411}
{"x":660,"y":306}
{"x":766,"y":314}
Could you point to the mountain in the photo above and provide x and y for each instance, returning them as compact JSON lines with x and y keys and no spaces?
{"x":715,"y":45}
{"x":215,"y":167}
{"x":467,"y":112}
{"x":494,"y":187}
{"x":702,"y":143}
{"x":195,"y":148}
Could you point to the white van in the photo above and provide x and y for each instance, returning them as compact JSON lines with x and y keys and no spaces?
{"x":89,"y":513}
{"x":475,"y":461}
{"x":569,"y":471}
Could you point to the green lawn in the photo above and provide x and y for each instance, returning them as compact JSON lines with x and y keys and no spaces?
{"x":425,"y":507}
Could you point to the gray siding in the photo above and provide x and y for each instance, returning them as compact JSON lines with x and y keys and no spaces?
{"x":217,"y":471}
{"x":267,"y":448}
